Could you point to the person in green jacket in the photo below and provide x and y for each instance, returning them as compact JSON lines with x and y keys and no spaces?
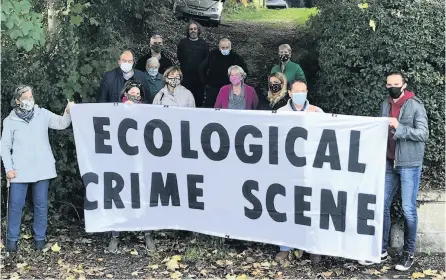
{"x":292,"y":70}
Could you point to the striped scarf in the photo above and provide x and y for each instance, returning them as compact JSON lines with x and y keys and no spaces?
{"x":24,"y":115}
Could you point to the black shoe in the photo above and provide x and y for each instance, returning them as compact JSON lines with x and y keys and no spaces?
{"x":384,"y":257}
{"x":406,"y":262}
{"x":11,"y":246}
{"x":40,"y":244}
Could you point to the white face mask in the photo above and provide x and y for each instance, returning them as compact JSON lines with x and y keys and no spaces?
{"x":126,"y":67}
{"x":27,"y":104}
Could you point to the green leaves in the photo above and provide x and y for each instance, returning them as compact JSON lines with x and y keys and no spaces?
{"x":76,"y":20}
{"x":22,"y":25}
{"x":359,"y":42}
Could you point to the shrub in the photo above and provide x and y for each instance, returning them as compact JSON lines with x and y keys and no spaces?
{"x":358,"y":43}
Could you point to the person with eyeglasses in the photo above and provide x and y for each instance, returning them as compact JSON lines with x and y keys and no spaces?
{"x":114,"y":80}
{"x":191,"y":51}
{"x":29,"y":162}
{"x":173,"y":93}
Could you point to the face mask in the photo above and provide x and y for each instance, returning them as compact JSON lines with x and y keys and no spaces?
{"x":173,"y":82}
{"x":27,"y":104}
{"x":126,"y":67}
{"x":157,"y":48}
{"x":284,"y":57}
{"x":133,"y":98}
{"x":153,"y":71}
{"x":395,"y":92}
{"x":225,"y":52}
{"x":275,"y":88}
{"x":299,"y":98}
{"x":235,"y":80}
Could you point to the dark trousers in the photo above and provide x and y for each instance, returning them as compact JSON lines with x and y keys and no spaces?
{"x":210,"y":96}
{"x":196,"y":87}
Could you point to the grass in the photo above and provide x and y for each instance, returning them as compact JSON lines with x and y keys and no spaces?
{"x":297,"y":16}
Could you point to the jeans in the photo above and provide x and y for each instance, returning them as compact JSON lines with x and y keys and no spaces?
{"x":17,"y":201}
{"x":409,"y":177}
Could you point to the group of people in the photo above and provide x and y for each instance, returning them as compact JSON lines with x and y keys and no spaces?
{"x":208,"y":79}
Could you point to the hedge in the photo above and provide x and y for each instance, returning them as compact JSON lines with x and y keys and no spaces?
{"x":357,"y":43}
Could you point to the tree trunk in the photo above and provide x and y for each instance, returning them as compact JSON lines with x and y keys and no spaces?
{"x":53,"y":20}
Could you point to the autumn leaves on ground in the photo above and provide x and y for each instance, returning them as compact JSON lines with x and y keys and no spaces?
{"x":73,"y":254}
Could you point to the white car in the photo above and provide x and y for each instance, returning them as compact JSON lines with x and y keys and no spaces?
{"x":278,"y":4}
{"x":206,"y":10}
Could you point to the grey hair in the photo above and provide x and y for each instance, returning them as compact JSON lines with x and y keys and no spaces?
{"x":152,"y":60}
{"x":285,"y":47}
{"x":225,"y":40}
{"x":18,"y":92}
{"x":238,"y":69}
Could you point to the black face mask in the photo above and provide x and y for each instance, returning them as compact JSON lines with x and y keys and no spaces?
{"x":274,"y":88}
{"x":394,"y":92}
{"x":157,"y":48}
{"x":284,"y":57}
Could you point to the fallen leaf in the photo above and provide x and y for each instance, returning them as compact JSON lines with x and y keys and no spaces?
{"x":396,"y":276}
{"x":429,"y":272}
{"x":134,"y":252}
{"x":242,"y":277}
{"x":203,"y":272}
{"x":154,"y":266}
{"x":385,"y":269}
{"x":109,"y":275}
{"x":265,"y":264}
{"x":373,"y":272}
{"x":20,"y":265}
{"x":339,"y":271}
{"x":176,"y":275}
{"x":26,"y":236}
{"x":250,"y":260}
{"x":327,"y":273}
{"x":134,"y":273}
{"x":417,"y":275}
{"x":55,"y":248}
{"x":172,"y":264}
{"x":100,"y":259}
{"x":363,"y":6}
{"x":14,"y":276}
{"x":372,"y":24}
{"x":177,"y":258}
{"x":70,"y":277}
{"x":229,"y":276}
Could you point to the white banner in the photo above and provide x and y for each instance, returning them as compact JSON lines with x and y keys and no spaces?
{"x":305,"y":180}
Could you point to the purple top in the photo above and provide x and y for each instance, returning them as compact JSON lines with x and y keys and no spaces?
{"x":251,"y":99}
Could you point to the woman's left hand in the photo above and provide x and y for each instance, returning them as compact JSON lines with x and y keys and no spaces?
{"x":313,"y":109}
{"x":67,"y":109}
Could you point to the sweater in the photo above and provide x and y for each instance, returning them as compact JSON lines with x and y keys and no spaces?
{"x":251,"y":99}
{"x":293,"y":71}
{"x":25,"y":147}
{"x":214,"y":69}
{"x":288,"y":107}
{"x":395,"y":109}
{"x":181,"y":97}
{"x":190,"y":54}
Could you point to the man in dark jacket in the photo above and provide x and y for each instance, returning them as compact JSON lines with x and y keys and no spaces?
{"x":191,"y":51}
{"x":408,"y":133}
{"x":156,"y":46}
{"x":114,"y":80}
{"x":214,"y":70}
